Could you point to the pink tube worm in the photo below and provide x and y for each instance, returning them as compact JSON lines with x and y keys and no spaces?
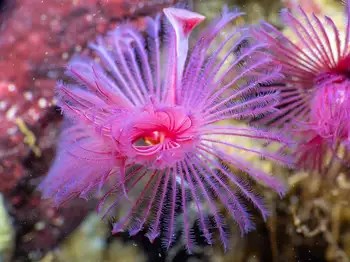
{"x":145,"y":117}
{"x":315,"y":93}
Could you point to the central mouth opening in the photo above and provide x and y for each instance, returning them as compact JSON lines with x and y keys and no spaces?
{"x":152,"y":138}
{"x":162,"y":132}
{"x":343,"y":67}
{"x":336,"y":75}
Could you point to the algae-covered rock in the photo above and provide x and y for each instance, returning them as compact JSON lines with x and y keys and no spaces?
{"x":255,"y":9}
{"x":7,"y":233}
{"x":86,"y":244}
{"x":89,"y":243}
{"x":124,"y":252}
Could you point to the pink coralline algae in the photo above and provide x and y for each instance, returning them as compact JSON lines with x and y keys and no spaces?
{"x":316,"y":89}
{"x":142,"y":121}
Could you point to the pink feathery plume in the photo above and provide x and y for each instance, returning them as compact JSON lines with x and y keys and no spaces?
{"x":315,"y":93}
{"x":145,"y":119}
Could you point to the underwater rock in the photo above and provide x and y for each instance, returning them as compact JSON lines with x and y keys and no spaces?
{"x":86,"y":244}
{"x":7,"y":233}
{"x":119,"y":251}
{"x":255,"y":9}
